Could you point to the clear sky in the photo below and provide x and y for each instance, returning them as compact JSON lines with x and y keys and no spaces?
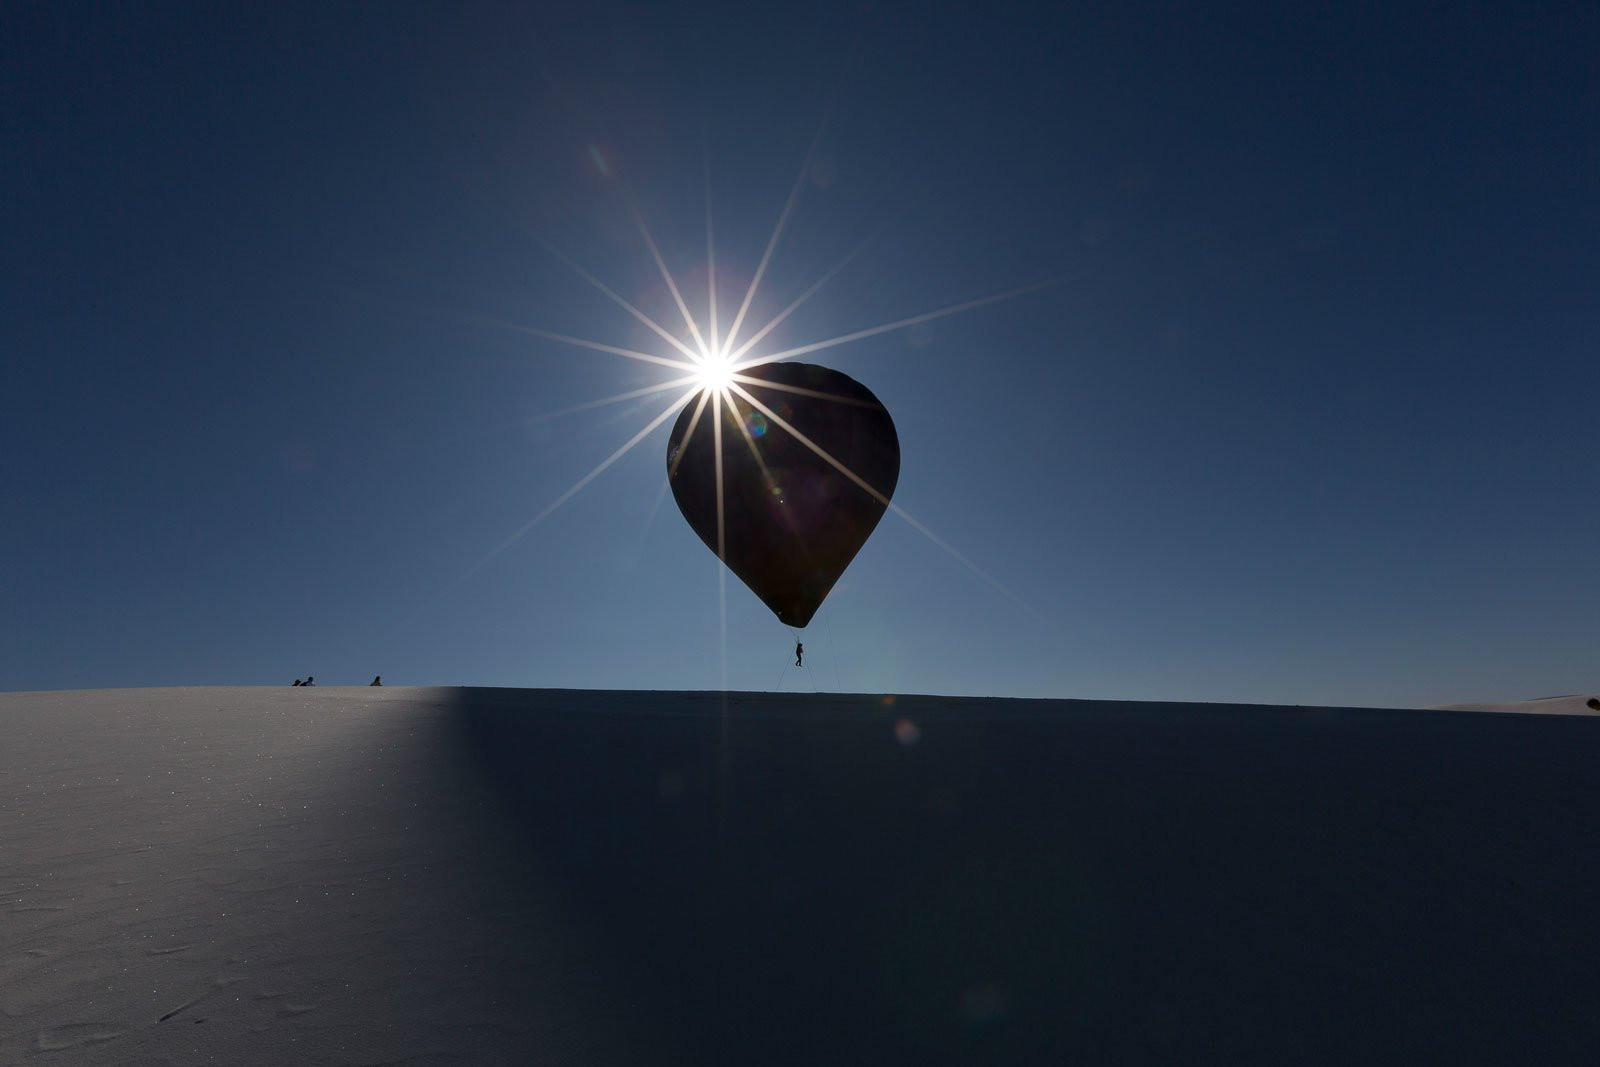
{"x":1311,"y":414}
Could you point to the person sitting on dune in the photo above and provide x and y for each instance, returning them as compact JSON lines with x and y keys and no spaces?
{"x":309,"y":681}
{"x":377,"y":679}
{"x":297,"y":682}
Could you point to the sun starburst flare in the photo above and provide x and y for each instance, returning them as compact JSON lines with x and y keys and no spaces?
{"x":713,"y":365}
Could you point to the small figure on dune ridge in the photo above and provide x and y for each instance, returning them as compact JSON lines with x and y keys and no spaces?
{"x":1592,"y":702}
{"x":297,"y":682}
{"x":377,"y":679}
{"x":309,"y":681}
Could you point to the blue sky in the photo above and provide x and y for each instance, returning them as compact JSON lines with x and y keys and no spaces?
{"x":1311,"y":417}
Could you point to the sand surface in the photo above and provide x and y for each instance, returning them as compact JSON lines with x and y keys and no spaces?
{"x":432,"y":876}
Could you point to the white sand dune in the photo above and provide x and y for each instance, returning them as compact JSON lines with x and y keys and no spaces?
{"x":431,"y":876}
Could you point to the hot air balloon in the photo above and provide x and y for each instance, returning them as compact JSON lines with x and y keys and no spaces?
{"x":793,"y":515}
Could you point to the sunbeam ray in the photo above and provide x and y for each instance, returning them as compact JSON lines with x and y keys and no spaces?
{"x":716,"y":448}
{"x":650,"y":519}
{"x":755,"y":451}
{"x":574,"y":490}
{"x":872,"y":491}
{"x":777,"y":232}
{"x":802,"y":391}
{"x":590,"y":405}
{"x":672,"y":286}
{"x":694,"y":420}
{"x":711,"y":246}
{"x":926,"y":316}
{"x":789,"y":428}
{"x":568,"y":339}
{"x":722,"y":634}
{"x":722,"y":537}
{"x":988,"y":579}
{"x":734,"y":357}
{"x":659,"y":330}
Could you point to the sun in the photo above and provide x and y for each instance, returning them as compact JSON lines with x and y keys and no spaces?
{"x":715,"y":372}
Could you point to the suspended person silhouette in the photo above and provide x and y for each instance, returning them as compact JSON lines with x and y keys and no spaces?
{"x":799,"y":654}
{"x":377,"y":679}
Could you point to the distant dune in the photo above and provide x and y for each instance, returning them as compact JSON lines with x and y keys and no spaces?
{"x":432,"y":876}
{"x":1573,"y":704}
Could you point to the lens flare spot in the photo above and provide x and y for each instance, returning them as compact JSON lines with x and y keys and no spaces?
{"x":983,"y":1004}
{"x":756,"y":424}
{"x":907,"y":732}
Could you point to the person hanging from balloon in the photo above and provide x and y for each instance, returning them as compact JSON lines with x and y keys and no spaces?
{"x":799,"y":654}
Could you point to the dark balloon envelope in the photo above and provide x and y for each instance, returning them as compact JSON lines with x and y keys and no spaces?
{"x":792,"y":521}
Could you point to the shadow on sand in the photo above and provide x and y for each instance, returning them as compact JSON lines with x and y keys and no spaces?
{"x":762,"y":879}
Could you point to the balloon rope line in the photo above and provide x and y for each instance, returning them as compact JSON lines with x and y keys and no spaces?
{"x":781,"y":675}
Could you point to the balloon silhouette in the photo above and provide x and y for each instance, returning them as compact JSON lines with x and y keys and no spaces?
{"x":791,"y":520}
